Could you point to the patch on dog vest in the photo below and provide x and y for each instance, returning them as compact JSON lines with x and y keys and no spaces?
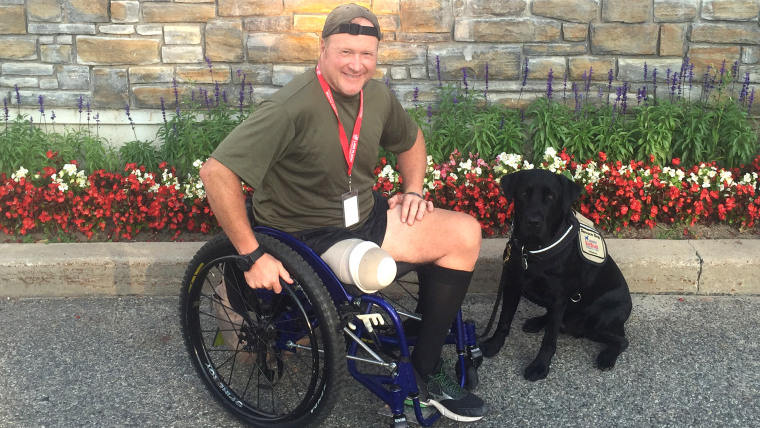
{"x":590,"y":241}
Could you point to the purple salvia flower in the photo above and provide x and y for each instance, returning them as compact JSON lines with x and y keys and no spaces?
{"x":18,"y":95}
{"x":645,"y":71}
{"x":438,"y":69}
{"x":735,"y":69}
{"x":52,"y":115}
{"x":5,"y":108}
{"x":163,"y":109}
{"x":97,"y":118}
{"x":526,"y":70}
{"x":224,"y":96}
{"x":751,"y":99}
{"x":430,"y":113}
{"x":691,"y":75}
{"x":88,"y":112}
{"x":176,"y":95}
{"x":41,"y":101}
{"x":80,"y":104}
{"x":667,"y":75}
{"x":242,"y":91}
{"x":192,"y":97}
{"x":610,"y":76}
{"x":575,"y":93}
{"x":216,"y":92}
{"x":250,"y":92}
{"x":673,"y":84}
{"x":210,"y":67}
{"x":600,"y":93}
{"x":564,"y":85}
{"x":722,"y":69}
{"x":464,"y":80}
{"x":625,"y":96}
{"x":522,"y":115}
{"x":455,"y":100}
{"x":485,"y":93}
{"x":549,"y":84}
{"x":654,"y":84}
{"x":745,"y":86}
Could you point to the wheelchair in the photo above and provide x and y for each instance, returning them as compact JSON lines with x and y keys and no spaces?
{"x":281,"y":360}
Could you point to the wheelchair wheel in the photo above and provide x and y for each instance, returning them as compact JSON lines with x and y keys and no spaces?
{"x":274,"y":360}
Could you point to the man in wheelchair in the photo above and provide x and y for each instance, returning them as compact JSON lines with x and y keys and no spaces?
{"x":310,"y":150}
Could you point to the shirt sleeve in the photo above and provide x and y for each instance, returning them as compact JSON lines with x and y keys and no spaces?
{"x":257,"y":143}
{"x":400,"y":132}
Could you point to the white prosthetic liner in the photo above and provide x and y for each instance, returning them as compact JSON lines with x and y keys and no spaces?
{"x":361,"y":263}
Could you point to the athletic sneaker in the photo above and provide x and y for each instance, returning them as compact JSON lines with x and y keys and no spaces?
{"x":453,"y":401}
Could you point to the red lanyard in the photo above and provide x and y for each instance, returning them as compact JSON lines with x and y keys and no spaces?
{"x":349,"y":151}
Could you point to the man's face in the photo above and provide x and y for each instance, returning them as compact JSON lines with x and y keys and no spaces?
{"x":348,"y":62}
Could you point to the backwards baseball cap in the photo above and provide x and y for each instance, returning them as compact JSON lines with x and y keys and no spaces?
{"x":339,"y":21}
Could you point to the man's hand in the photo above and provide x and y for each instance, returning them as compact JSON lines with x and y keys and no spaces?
{"x":266,"y":273}
{"x":413,"y":207}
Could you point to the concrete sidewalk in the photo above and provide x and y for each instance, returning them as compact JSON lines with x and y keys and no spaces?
{"x":706,"y":267}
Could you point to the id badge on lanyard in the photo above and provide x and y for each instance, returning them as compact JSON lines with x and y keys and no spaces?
{"x":349,"y":199}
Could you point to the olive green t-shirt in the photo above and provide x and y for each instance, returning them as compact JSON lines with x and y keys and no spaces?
{"x":289,"y":151}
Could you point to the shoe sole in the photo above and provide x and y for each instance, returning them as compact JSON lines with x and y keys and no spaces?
{"x":449,"y":414}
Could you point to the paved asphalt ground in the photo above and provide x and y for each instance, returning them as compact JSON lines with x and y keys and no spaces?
{"x":694,"y":361}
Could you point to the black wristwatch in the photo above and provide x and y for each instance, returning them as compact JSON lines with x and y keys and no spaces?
{"x":245,"y":261}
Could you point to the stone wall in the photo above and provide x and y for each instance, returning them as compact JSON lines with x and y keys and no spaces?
{"x":113,"y":53}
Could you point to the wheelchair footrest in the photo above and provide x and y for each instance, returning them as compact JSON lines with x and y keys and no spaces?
{"x":409,"y":413}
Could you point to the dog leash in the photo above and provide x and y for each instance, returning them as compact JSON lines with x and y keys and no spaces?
{"x":502,"y":281}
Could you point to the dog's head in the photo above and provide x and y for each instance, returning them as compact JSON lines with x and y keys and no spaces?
{"x":542,"y":201}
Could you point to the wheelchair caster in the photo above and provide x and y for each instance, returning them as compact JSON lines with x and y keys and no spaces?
{"x":400,"y":422}
{"x":472,"y":362}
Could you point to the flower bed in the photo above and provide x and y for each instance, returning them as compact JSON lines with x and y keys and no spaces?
{"x":64,"y":204}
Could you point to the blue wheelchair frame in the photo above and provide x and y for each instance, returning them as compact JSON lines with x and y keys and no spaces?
{"x":393,"y":388}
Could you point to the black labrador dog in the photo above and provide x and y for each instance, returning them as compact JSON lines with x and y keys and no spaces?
{"x":560,"y":264}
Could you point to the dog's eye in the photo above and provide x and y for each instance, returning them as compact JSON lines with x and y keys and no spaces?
{"x":551,"y":197}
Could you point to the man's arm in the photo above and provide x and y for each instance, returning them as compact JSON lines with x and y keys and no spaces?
{"x":412,"y":165}
{"x":223,"y":190}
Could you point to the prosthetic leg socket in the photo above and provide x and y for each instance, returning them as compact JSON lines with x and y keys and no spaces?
{"x":362,"y":263}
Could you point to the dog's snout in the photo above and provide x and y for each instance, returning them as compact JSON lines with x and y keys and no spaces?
{"x":534,"y":222}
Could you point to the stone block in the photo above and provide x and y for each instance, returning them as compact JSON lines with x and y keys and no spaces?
{"x":18,"y":48}
{"x":385,"y":7}
{"x":728,"y":266}
{"x":724,"y":33}
{"x":673,"y":39}
{"x":224,"y":41}
{"x":572,"y":32}
{"x":675,"y":10}
{"x":306,"y":22}
{"x":624,"y":39}
{"x":283,"y":48}
{"x":44,"y":10}
{"x":27,"y":69}
{"x":110,"y":87}
{"x":202,"y":74}
{"x":178,"y":12}
{"x":64,"y":40}
{"x":182,"y":34}
{"x":73,"y":77}
{"x":750,"y":54}
{"x":597,"y":66}
{"x":282,"y":74}
{"x":182,"y":54}
{"x":555,"y":49}
{"x":418,"y":73}
{"x":503,"y":61}
{"x":88,"y":10}
{"x":707,"y":55}
{"x":46,"y":28}
{"x":21,"y":82}
{"x":249,"y":7}
{"x":56,"y":54}
{"x":150,"y":96}
{"x":632,"y":69}
{"x":477,"y":8}
{"x":46,"y":40}
{"x":583,"y":11}
{"x":150,"y":74}
{"x":538,"y":68}
{"x":426,"y":16}
{"x":268,"y":24}
{"x":318,"y":6}
{"x":113,"y":51}
{"x":399,"y":73}
{"x":507,"y":30}
{"x":401,"y":54}
{"x":255,"y":74}
{"x":149,"y":30}
{"x":628,"y":11}
{"x":123,"y":12}
{"x":118,"y":29}
{"x":12,"y":20}
{"x":731,"y":10}
{"x":48,"y":83}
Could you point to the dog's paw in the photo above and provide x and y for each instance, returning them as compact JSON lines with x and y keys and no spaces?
{"x":535,"y":324}
{"x":537,"y":370}
{"x":490,"y":347}
{"x":606,"y":359}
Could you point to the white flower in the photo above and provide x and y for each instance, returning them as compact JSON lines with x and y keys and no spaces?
{"x":18,"y":175}
{"x":198,"y":163}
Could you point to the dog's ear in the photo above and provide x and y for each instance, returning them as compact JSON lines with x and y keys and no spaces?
{"x":570,"y":192}
{"x":508,"y":184}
